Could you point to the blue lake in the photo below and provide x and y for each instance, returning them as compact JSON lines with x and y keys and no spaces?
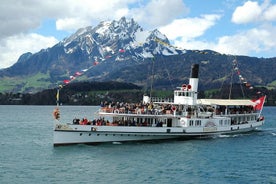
{"x":27,"y":154}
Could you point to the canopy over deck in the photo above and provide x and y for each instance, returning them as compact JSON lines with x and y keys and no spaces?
{"x":225,"y":102}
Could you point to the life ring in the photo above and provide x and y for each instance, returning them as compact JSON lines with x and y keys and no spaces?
{"x":184,"y":86}
{"x":116,"y":111}
{"x":173,"y":108}
{"x":93,"y":129}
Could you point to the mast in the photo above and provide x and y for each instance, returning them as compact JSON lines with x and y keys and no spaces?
{"x":56,"y":112}
{"x":57,"y":98}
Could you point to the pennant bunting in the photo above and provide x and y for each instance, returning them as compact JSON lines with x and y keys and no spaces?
{"x":78,"y":73}
{"x":66,"y":81}
{"x":121,"y":50}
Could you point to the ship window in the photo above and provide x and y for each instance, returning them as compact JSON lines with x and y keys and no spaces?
{"x":197,"y":122}
{"x":191,"y":123}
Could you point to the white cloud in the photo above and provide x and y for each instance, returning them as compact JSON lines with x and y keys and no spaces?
{"x":14,"y":46}
{"x":189,"y":28}
{"x":256,"y":40}
{"x":159,"y":12}
{"x":270,"y":14}
{"x":69,"y":24}
{"x":253,"y":12}
{"x":249,"y":12}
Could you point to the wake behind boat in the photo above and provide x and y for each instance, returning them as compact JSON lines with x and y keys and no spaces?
{"x":184,"y":116}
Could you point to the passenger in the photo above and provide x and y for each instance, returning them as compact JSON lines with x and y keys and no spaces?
{"x":84,"y":121}
{"x":56,"y":113}
{"x":76,"y":121}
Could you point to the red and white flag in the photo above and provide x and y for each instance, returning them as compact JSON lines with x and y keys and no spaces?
{"x":259,"y":103}
{"x":66,"y":81}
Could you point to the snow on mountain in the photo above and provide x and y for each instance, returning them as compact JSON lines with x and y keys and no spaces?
{"x":110,"y":37}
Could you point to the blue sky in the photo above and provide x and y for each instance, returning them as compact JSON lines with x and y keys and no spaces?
{"x":239,"y":27}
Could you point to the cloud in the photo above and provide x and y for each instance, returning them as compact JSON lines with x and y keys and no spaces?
{"x":189,"y":28}
{"x":249,"y":42}
{"x":270,"y":14}
{"x":69,"y":24}
{"x":255,"y":40}
{"x":14,"y":46}
{"x":158,"y":12}
{"x":253,"y":12}
{"x":249,"y":12}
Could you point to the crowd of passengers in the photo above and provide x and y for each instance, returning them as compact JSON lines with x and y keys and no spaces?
{"x":103,"y":122}
{"x":235,"y":110}
{"x":149,"y":108}
{"x":143,"y":108}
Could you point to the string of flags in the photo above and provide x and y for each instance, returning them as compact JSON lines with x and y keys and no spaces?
{"x":242,"y":79}
{"x":95,"y":63}
{"x":120,"y":55}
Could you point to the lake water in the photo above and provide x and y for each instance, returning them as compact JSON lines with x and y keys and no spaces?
{"x":27,"y":155}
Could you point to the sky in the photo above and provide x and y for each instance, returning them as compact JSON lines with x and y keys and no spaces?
{"x":238,"y":27}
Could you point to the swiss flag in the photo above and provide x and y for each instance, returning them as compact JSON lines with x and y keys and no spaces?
{"x":259,"y":103}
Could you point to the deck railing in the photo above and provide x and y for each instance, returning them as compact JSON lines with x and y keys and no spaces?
{"x":157,"y":99}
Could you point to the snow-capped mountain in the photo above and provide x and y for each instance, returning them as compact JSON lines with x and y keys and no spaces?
{"x":114,"y":50}
{"x":122,"y":39}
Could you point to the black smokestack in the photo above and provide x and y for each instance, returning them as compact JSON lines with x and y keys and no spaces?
{"x":194,"y":71}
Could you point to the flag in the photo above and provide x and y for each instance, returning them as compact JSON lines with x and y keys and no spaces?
{"x":259,"y":103}
{"x":78,"y":73}
{"x":121,"y":50}
{"x":66,"y":81}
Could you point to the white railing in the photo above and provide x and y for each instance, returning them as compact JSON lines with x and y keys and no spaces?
{"x":157,"y":99}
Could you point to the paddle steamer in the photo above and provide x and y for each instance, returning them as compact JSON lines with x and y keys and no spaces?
{"x":184,"y":116}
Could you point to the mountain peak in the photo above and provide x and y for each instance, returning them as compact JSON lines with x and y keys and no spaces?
{"x":117,"y":40}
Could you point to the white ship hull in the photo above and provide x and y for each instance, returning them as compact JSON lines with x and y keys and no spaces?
{"x":89,"y":134}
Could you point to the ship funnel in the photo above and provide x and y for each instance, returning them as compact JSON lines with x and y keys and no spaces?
{"x":194,"y":71}
{"x":194,"y":81}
